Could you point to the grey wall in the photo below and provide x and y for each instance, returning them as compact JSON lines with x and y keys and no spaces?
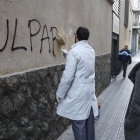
{"x":65,"y":15}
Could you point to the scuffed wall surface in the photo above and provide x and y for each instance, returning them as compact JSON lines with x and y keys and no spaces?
{"x":28,"y":29}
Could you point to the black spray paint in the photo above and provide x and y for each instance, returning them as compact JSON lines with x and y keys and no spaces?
{"x":53,"y":30}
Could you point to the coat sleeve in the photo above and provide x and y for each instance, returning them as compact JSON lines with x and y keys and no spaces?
{"x":132,"y":73}
{"x":68,"y":74}
{"x":133,"y":119}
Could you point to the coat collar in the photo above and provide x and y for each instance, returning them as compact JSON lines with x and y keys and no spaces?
{"x":79,"y":42}
{"x":133,"y":72}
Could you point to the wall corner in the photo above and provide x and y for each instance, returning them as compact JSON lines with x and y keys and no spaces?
{"x":111,"y":1}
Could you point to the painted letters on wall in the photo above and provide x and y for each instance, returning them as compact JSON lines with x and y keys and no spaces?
{"x":53,"y":31}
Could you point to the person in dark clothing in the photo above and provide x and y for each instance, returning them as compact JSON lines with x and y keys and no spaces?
{"x":132,"y":118}
{"x":125,"y":58}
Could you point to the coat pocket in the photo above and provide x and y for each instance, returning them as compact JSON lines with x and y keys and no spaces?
{"x":84,"y":97}
{"x":73,"y":90}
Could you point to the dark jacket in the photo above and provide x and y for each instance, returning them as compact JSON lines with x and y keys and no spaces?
{"x":125,"y":56}
{"x":132,"y":118}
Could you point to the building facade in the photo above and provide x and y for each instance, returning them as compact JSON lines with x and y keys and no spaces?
{"x":122,"y":29}
{"x":136,"y":27}
{"x":32,"y":62}
{"x":126,"y":23}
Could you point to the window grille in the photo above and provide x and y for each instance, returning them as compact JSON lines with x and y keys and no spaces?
{"x":117,"y":7}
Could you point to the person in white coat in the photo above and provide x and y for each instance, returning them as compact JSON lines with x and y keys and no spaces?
{"x":76,"y":91}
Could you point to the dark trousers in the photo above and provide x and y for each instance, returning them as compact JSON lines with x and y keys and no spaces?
{"x":84,"y":129}
{"x":124,"y":65}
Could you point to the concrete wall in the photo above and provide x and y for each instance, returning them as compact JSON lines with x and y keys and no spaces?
{"x":66,"y":16}
{"x":125,"y":32}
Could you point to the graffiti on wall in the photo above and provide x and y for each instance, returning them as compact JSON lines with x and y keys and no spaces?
{"x":53,"y":31}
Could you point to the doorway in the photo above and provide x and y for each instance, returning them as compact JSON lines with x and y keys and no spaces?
{"x":114,"y":54}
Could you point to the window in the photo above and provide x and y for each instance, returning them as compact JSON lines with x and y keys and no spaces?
{"x":126,"y":16}
{"x":116,"y":7}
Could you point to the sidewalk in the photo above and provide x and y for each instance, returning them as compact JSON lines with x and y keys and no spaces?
{"x":114,"y":101}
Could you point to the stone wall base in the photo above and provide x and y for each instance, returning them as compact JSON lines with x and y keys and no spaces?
{"x":27,"y":102}
{"x":102,"y":72}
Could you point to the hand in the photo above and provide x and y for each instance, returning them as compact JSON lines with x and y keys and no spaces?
{"x":58,"y":99}
{"x":64,"y":51}
{"x":98,"y":116}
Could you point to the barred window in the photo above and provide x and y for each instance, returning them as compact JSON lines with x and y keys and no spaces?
{"x":117,"y":7}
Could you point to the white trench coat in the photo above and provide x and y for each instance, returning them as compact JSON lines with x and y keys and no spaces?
{"x":77,"y":86}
